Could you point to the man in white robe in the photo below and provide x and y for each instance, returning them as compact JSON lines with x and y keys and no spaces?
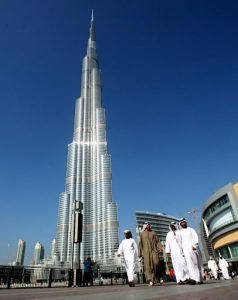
{"x":188,"y":240}
{"x":173,"y":249}
{"x":212,"y":265}
{"x":129,"y":250}
{"x":223,"y":265}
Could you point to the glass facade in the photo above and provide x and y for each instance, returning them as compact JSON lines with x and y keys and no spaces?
{"x":224,"y":252}
{"x":20,"y":252}
{"x":216,"y":206}
{"x":234,"y":249}
{"x":39,"y":253}
{"x":220,"y":223}
{"x":223,"y":218}
{"x":228,"y":251}
{"x":89,"y":176}
{"x":159,"y":222}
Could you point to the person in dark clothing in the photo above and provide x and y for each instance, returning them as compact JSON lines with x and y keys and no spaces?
{"x":87,"y":271}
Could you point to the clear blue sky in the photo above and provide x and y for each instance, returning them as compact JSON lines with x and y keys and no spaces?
{"x":169,"y":71}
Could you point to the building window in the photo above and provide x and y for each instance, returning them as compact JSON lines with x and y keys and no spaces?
{"x":224,"y":252}
{"x":216,"y":205}
{"x":234,"y":249}
{"x":220,"y":220}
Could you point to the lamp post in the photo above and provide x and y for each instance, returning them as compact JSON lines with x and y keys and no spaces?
{"x":9,"y":257}
{"x":193,"y":213}
{"x":140,"y":261}
{"x":76,"y":236}
{"x":163,"y":243}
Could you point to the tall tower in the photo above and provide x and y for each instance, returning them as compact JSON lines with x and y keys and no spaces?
{"x":53,"y":247}
{"x":88,"y":175}
{"x":20,"y":253}
{"x":39,"y":253}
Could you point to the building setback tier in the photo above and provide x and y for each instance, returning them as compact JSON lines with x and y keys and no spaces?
{"x":88,"y":175}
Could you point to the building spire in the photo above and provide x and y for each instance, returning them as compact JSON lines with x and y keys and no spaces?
{"x":92,"y":35}
{"x":92,"y":17}
{"x":91,"y":50}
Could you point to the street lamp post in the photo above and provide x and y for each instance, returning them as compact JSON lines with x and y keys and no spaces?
{"x":163,"y":243}
{"x":140,"y":261}
{"x":77,"y":223}
{"x":193,"y":213}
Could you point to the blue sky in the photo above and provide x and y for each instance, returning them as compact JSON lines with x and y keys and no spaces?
{"x":169,"y":72}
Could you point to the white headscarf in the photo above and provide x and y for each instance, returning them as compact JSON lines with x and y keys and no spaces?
{"x":144,"y":226}
{"x":175,"y":224}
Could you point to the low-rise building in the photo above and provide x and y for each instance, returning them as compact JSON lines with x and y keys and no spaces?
{"x":159,"y":222}
{"x":220,"y":224}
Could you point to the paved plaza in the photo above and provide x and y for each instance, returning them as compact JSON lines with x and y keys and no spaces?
{"x":214,"y":290}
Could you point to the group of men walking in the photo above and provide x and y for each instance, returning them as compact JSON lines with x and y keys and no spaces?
{"x":148,"y":250}
{"x":214,"y":267}
{"x":181,"y":244}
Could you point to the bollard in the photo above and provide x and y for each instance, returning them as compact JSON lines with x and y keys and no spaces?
{"x":138,"y":278}
{"x":111,"y":278}
{"x":9,"y":278}
{"x":70,"y":277}
{"x":78,"y":277}
{"x":50,"y":278}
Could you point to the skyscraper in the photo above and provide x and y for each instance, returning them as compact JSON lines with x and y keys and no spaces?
{"x":88,"y":175}
{"x":39,"y":253}
{"x":20,"y":253}
{"x":53,"y":247}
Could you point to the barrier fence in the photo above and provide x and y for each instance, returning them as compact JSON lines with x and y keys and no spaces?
{"x":29,"y":277}
{"x":16,"y":277}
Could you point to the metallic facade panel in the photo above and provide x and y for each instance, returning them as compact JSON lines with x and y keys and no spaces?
{"x":89,"y":175}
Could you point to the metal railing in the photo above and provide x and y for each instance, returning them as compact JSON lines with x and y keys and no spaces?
{"x":30,"y":277}
{"x":18,"y":277}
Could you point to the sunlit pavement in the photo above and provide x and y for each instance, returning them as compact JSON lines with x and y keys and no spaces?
{"x":214,"y":290}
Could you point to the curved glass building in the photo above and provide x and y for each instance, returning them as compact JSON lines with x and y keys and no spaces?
{"x":89,"y":175}
{"x":220,"y":223}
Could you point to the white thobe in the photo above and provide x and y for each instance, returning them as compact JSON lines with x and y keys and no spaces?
{"x":178,"y":261}
{"x":188,"y":239}
{"x":223,"y":265}
{"x":129,"y":250}
{"x":212,"y":265}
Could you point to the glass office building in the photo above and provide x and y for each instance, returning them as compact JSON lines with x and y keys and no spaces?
{"x":89,"y":175}
{"x":20,"y":253}
{"x":160,"y":225}
{"x":39,"y":253}
{"x":159,"y":222}
{"x":220,"y":223}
